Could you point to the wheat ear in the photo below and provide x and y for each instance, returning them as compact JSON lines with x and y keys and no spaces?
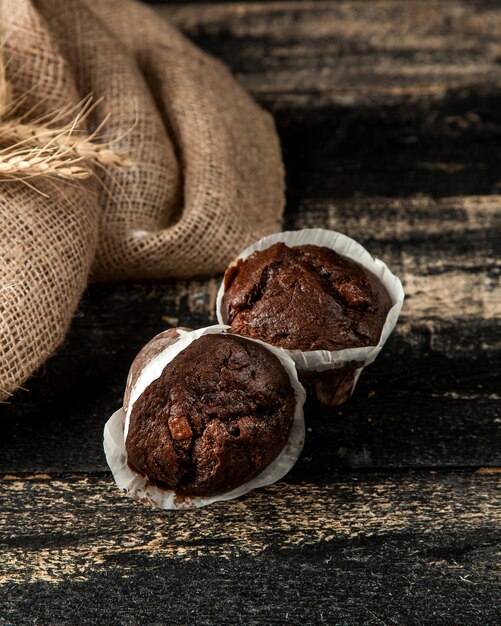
{"x":78,"y":144}
{"x":28,"y":164}
{"x":48,"y":147}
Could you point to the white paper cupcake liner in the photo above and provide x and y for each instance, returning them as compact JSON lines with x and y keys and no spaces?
{"x":139,"y":487}
{"x":322,"y":360}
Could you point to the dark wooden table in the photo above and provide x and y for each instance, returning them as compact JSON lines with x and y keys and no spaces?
{"x":390,"y":119}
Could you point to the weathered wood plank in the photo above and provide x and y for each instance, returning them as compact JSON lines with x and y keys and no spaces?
{"x":441,"y":149}
{"x":99,"y":521}
{"x":350,"y":48}
{"x":415,"y":548}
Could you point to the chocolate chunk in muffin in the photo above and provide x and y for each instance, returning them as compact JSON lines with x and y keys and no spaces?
{"x":305,"y":298}
{"x":220,"y":413}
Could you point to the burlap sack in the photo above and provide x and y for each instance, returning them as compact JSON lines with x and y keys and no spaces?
{"x":207,"y":178}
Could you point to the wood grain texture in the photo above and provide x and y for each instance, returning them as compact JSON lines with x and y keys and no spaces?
{"x":290,"y":554}
{"x":346,"y":49}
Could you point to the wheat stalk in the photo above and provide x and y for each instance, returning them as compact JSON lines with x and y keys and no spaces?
{"x":46,"y":146}
{"x":78,"y":147}
{"x":28,"y":164}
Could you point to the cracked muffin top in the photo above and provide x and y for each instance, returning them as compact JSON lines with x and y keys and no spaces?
{"x":305,"y":298}
{"x":219,"y":414}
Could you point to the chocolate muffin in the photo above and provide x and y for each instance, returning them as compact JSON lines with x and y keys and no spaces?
{"x":305,"y":298}
{"x":220,"y":413}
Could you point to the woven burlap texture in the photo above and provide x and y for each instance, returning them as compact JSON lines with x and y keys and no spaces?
{"x":207,"y":178}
